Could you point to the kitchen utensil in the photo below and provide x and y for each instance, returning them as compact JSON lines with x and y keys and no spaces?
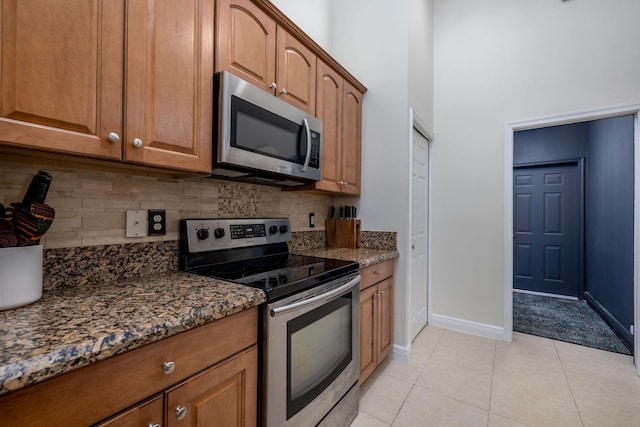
{"x":8,"y":239}
{"x":347,"y":211}
{"x":25,"y":225}
{"x":354,"y":212}
{"x":332,"y":212}
{"x":45,"y":215}
{"x":37,"y":191}
{"x":341,"y":211}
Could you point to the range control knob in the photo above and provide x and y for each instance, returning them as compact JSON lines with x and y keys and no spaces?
{"x":218,"y":233}
{"x":284,"y":228}
{"x":273,"y":229}
{"x":202,"y":234}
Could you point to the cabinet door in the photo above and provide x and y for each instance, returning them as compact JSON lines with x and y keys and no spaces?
{"x":385,"y":318}
{"x":351,"y":139}
{"x":223,"y":395}
{"x":368,"y":332}
{"x":61,"y":75}
{"x":148,"y":413}
{"x":296,"y":75}
{"x":169,"y":83}
{"x":246,"y":42}
{"x":329,"y":110}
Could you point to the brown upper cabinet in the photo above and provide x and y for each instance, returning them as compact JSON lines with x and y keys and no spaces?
{"x":87,"y":77}
{"x":251,"y":45}
{"x":339,"y":106}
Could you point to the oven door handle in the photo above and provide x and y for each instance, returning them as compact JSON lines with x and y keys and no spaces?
{"x":317,"y":298}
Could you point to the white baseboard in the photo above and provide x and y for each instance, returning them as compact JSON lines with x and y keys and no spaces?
{"x":400,"y":353}
{"x":469,"y":327}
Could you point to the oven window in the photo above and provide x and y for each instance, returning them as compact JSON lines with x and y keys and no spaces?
{"x":260,"y":131}
{"x":319,"y":347}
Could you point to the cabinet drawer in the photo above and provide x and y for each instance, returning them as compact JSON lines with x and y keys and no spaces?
{"x":375,"y":273}
{"x":95,"y":392}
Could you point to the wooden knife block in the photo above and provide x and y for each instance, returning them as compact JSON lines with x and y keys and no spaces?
{"x":343,"y":233}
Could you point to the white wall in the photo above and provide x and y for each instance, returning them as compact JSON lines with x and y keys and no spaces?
{"x":371,"y":41}
{"x":421,"y":59}
{"x":312,"y":16}
{"x":388,"y":47}
{"x":498,"y":61}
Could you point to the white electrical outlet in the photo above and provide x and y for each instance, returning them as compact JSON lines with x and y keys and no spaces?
{"x":136,"y":224}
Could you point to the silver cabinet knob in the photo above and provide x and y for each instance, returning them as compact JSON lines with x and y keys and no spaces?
{"x":113,"y":138}
{"x":154,"y":425}
{"x":137,"y":142}
{"x":377,"y":272}
{"x":283,"y":91}
{"x":273,"y":85}
{"x":168,"y":367}
{"x":381,"y":292}
{"x":181,"y":412}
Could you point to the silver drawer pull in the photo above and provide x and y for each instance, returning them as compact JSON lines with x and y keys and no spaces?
{"x":154,"y":425}
{"x":168,"y":367}
{"x":181,"y":412}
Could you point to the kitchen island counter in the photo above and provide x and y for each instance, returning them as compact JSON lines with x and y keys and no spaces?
{"x":69,"y":328}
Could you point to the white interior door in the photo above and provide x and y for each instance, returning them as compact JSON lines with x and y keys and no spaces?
{"x":419,"y":233}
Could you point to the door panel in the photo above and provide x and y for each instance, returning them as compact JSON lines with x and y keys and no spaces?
{"x":246,"y":42}
{"x":548,"y":229}
{"x":296,"y":72}
{"x":169,"y":83}
{"x":419,"y":233}
{"x":61,"y":75}
{"x":351,"y":139}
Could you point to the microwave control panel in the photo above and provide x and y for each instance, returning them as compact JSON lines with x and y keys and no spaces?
{"x":314,"y":159}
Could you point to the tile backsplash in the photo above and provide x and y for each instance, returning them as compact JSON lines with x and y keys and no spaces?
{"x":91,"y":205}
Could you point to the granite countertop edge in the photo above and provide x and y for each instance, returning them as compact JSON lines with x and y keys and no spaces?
{"x":74,"y":327}
{"x":364,"y":257}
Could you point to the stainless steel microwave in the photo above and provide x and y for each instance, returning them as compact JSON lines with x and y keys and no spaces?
{"x":261,"y":138}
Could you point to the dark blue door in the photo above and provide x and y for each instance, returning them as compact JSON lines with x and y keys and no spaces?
{"x":547,"y":229}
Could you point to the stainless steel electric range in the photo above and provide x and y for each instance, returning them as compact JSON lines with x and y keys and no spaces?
{"x":309,"y":324}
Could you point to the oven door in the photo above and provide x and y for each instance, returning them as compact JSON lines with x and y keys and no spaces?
{"x":312,"y":352}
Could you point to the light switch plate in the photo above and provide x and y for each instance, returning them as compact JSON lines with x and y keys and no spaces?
{"x":136,"y":223}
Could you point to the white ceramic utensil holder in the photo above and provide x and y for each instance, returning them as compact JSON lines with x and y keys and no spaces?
{"x":20,"y":276}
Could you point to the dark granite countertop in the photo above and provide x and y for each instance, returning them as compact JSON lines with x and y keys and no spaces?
{"x":73,"y":327}
{"x":365,"y":257}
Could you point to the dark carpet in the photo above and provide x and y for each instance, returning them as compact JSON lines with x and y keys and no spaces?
{"x":564,"y":320}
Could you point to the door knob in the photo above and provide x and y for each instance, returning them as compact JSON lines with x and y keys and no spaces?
{"x":168,"y":367}
{"x":113,"y":138}
{"x":283,"y":91}
{"x":273,"y":85}
{"x":181,"y":412}
{"x":137,"y":142}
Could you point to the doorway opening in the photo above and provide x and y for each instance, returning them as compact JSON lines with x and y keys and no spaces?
{"x":602,"y":268}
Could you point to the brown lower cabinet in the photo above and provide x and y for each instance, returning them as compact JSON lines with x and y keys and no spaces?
{"x":376,"y":316}
{"x":224,"y":395}
{"x":204,"y":376}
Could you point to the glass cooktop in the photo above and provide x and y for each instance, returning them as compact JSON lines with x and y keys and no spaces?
{"x":280,"y":275}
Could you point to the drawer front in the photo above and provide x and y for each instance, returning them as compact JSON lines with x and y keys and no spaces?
{"x":375,"y":273}
{"x":96,"y":392}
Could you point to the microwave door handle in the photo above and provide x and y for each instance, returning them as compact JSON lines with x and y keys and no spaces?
{"x":308,"y":156}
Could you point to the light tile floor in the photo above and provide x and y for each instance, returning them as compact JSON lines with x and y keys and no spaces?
{"x":455,"y":379}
